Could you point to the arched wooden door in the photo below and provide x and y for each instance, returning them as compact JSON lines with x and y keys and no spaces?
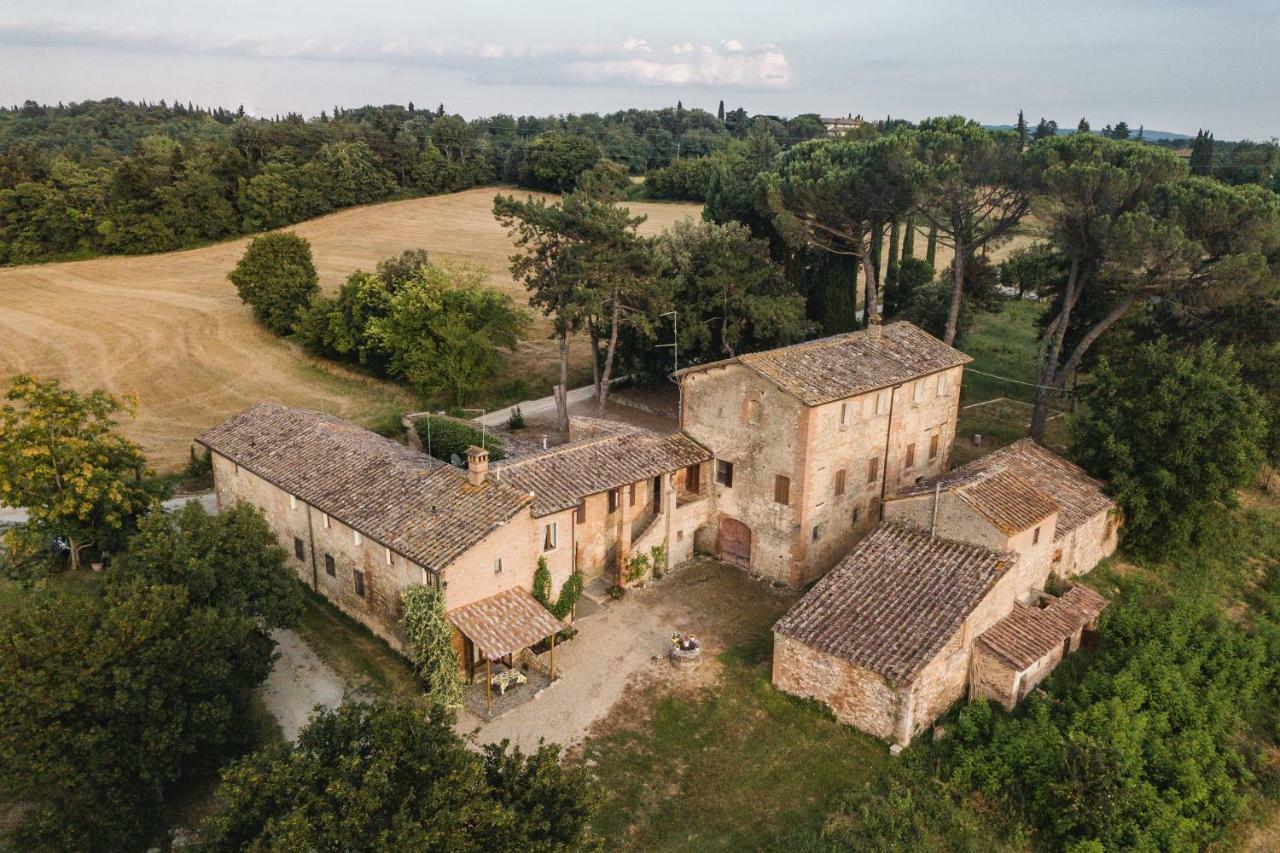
{"x":735,"y":542}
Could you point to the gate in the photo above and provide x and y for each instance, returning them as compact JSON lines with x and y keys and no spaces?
{"x":735,"y":543}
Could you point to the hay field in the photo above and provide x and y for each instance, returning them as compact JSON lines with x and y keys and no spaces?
{"x":170,"y":328}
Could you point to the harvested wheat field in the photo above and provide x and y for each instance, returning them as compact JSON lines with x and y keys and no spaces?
{"x":170,"y":329}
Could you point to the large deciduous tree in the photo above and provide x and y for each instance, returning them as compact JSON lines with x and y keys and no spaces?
{"x":106,"y":700}
{"x":63,"y":458}
{"x":554,"y":160}
{"x":839,"y":195}
{"x":383,"y":777}
{"x":975,"y":189}
{"x":277,"y":280}
{"x":1174,"y":435}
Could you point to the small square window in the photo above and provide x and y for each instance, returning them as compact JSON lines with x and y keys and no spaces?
{"x":782,"y":489}
{"x":840,"y":482}
{"x":724,"y":473}
{"x":497,"y":565}
{"x":359,"y":583}
{"x":330,"y":567}
{"x":299,"y":549}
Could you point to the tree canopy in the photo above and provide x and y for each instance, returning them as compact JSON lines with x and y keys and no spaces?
{"x":384,"y":777}
{"x":277,"y":280}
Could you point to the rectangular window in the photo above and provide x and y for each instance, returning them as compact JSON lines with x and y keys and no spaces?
{"x":693,"y":478}
{"x":359,"y":583}
{"x":613,"y":500}
{"x":497,"y":565}
{"x":724,"y":473}
{"x":299,"y":550}
{"x":873,"y":469}
{"x":846,"y":414}
{"x":357,"y":538}
{"x":631,"y":496}
{"x":582,"y":512}
{"x":857,"y":511}
{"x":293,"y":502}
{"x":324,"y":520}
{"x":917,"y":393}
{"x":882,"y":403}
{"x":387,"y":555}
{"x":657,"y":491}
{"x":782,"y":489}
{"x":1035,"y":536}
{"x":840,"y":477}
{"x":817,"y":532}
{"x":942,"y":385}
{"x":753,"y":411}
{"x":909,"y":458}
{"x":933,"y":447}
{"x":549,"y":537}
{"x":330,"y":567}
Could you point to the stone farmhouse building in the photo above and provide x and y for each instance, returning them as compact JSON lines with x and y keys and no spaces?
{"x":833,"y":452}
{"x":810,"y":439}
{"x":947,"y":597}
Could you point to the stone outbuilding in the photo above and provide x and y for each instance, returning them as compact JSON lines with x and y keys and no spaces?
{"x":1014,"y":655}
{"x":947,"y":597}
{"x":884,"y":639}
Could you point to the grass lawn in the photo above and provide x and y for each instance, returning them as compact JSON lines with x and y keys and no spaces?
{"x":362,"y":659}
{"x":1003,"y":344}
{"x":732,"y":769}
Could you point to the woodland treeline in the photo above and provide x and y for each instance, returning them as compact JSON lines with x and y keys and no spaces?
{"x":115,"y":177}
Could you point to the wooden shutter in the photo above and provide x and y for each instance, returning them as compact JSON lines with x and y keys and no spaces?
{"x":782,"y":489}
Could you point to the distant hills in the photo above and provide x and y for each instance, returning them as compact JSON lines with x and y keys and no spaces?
{"x":1147,"y":133}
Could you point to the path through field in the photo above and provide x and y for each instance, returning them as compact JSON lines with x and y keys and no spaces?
{"x":170,"y":328}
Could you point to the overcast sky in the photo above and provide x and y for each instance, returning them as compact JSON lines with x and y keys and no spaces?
{"x":1175,"y":65}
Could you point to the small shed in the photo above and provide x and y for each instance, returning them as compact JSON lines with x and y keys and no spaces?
{"x":498,"y":627}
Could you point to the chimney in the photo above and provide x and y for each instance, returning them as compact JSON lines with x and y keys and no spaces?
{"x":477,"y":465}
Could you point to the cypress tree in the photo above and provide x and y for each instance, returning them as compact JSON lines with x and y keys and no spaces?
{"x":1202,"y":154}
{"x":1083,"y":126}
{"x":909,"y":238}
{"x":720,"y":112}
{"x":877,"y":242}
{"x":931,"y":247}
{"x":1022,"y":129}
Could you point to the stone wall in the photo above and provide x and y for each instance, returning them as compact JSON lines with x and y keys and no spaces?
{"x":857,"y":697}
{"x":1087,"y":545}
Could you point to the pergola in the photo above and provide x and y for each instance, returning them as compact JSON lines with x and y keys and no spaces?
{"x":502,"y":625}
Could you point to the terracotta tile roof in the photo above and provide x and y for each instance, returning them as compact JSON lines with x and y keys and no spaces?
{"x":505,"y":623}
{"x":846,"y":365}
{"x":1007,"y":500}
{"x":399,"y":497}
{"x":1078,"y":496}
{"x":1031,"y":632}
{"x":894,"y":602}
{"x":611,"y":457}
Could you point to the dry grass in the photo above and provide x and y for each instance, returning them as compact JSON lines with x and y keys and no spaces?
{"x":170,"y":328}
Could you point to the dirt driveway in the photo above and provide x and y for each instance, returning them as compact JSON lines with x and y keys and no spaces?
{"x":299,"y":682}
{"x":626,"y":644}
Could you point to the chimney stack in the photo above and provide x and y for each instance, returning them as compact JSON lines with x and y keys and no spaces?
{"x":477,"y":465}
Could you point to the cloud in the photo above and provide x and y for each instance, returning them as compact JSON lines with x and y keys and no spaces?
{"x":632,"y":62}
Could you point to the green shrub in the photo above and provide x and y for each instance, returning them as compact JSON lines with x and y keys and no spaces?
{"x":570,"y":592}
{"x":430,"y":639}
{"x":444,"y":437}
